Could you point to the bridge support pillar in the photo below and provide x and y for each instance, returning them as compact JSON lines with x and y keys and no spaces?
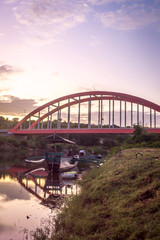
{"x":143,"y":116}
{"x":38,"y":120}
{"x":150,"y":117}
{"x":58,"y":116}
{"x":48,"y":118}
{"x":98,"y":113}
{"x":29,"y":122}
{"x":109,"y":113}
{"x":79,"y":111}
{"x":154,"y":119}
{"x":68,"y":113}
{"x":101,"y":111}
{"x":50,"y":125}
{"x":131,"y":114}
{"x":125,"y":117}
{"x":113,"y":113}
{"x":137,"y":113}
{"x":120,"y":112}
{"x":89,"y":113}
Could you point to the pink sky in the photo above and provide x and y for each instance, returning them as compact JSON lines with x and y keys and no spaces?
{"x":52,"y":48}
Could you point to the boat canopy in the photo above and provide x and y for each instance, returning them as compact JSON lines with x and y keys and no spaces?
{"x":58,"y":139}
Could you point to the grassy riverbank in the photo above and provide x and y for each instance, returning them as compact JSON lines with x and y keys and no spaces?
{"x":120,"y":200}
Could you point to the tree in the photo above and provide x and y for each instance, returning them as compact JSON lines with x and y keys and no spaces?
{"x":138,"y":130}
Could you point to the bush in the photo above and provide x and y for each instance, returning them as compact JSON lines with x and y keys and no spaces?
{"x":2,"y":140}
{"x":24,"y":143}
{"x":13,"y":141}
{"x":155,"y":144}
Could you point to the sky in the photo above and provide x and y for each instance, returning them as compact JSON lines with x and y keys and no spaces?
{"x":52,"y":48}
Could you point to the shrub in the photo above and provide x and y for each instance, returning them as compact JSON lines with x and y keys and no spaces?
{"x":13,"y":141}
{"x":155,"y":144}
{"x":24,"y":143}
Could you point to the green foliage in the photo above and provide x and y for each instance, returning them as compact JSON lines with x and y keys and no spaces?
{"x":11,"y":142}
{"x":5,"y":123}
{"x":141,"y":138}
{"x":155,"y":144}
{"x":2,"y":140}
{"x":86,"y":139}
{"x":109,"y":143}
{"x":138,"y":130}
{"x":24,"y":143}
{"x":120,"y":200}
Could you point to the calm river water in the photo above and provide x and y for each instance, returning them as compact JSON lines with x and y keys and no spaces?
{"x":27,"y":200}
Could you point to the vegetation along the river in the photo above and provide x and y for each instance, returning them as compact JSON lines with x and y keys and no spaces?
{"x":118,"y":201}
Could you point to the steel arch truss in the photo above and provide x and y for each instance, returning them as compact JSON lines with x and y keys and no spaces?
{"x":128,"y":109}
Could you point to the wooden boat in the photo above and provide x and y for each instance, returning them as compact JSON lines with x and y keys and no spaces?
{"x":56,"y":161}
{"x":64,"y":160}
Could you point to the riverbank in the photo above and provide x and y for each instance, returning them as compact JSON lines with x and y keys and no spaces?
{"x":120,"y":200}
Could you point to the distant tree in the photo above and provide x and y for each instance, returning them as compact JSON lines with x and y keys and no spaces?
{"x":109,"y":143}
{"x":138,"y":130}
{"x":3,"y":124}
{"x":85,"y":139}
{"x":140,"y":135}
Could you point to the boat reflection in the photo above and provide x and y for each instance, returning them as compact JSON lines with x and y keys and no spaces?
{"x":48,"y":187}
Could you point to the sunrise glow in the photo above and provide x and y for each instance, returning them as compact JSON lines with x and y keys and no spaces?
{"x":50,"y":49}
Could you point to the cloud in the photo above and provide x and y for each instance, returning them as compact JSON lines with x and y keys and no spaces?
{"x":4,"y":89}
{"x":131,"y":17}
{"x":42,"y":20}
{"x":9,"y":192}
{"x":7,"y":70}
{"x":102,"y":2}
{"x":10,"y":1}
{"x":14,"y":106}
{"x":56,"y":14}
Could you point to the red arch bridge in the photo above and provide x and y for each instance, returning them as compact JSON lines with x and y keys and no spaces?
{"x":91,"y":112}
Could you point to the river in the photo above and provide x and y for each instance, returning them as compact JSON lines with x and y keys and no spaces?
{"x":28,"y":201}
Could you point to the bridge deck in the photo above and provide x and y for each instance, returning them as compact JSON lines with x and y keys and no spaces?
{"x":82,"y":130}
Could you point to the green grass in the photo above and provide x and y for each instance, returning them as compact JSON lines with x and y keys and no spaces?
{"x":120,"y":200}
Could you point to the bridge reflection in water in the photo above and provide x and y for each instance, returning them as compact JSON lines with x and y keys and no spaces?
{"x":49,"y":188}
{"x":91,"y":112}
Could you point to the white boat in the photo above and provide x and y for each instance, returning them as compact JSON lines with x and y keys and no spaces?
{"x":67,"y":163}
{"x":34,"y":161}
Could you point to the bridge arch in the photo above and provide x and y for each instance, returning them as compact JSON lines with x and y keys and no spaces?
{"x":117,"y":103}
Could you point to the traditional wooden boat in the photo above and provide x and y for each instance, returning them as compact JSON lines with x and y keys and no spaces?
{"x":63,"y":160}
{"x":56,"y":161}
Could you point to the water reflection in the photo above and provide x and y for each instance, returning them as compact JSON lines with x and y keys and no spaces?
{"x":26,"y":198}
{"x":8,"y":190}
{"x":16,"y":203}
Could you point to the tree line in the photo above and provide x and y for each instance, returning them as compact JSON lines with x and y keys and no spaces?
{"x":139,"y":138}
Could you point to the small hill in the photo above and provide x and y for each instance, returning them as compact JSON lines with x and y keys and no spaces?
{"x":118,"y":201}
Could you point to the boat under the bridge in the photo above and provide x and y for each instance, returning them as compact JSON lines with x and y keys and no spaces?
{"x":64,"y":160}
{"x":57,"y":161}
